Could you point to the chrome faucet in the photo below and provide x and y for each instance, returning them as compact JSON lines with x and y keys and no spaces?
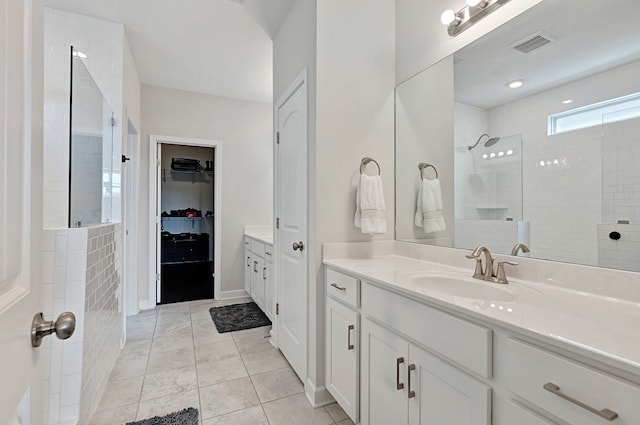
{"x":487,"y":273}
{"x":519,"y":247}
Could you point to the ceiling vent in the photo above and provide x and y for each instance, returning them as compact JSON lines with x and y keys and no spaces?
{"x":533,"y":42}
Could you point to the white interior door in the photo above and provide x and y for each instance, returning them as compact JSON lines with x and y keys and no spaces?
{"x":291,"y":228}
{"x":21,"y":204}
{"x":158,"y":228}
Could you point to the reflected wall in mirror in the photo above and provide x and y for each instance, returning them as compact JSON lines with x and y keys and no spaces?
{"x":91,"y":145}
{"x":559,"y":166}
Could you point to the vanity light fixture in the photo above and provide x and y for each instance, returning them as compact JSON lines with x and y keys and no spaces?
{"x":515,"y":84}
{"x":474,"y":11}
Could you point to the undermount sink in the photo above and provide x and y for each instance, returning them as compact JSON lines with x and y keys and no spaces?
{"x":462,"y":287}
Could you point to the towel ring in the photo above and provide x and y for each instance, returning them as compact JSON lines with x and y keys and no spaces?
{"x":366,"y":160}
{"x":424,"y":165}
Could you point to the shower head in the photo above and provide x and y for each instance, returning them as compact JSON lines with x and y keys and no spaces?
{"x":492,"y":141}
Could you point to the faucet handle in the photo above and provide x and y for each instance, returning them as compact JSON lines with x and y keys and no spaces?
{"x":478,"y":273}
{"x":501,"y":275}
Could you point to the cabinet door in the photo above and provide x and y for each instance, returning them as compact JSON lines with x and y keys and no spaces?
{"x":517,"y":414}
{"x":247,"y":269}
{"x":342,"y":356}
{"x":384,"y":371}
{"x":257,"y":281}
{"x":269,"y":290}
{"x":444,"y":395}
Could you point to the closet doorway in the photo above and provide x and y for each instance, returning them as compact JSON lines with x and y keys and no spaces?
{"x":185,"y":220}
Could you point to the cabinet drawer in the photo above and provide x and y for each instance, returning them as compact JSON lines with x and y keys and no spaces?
{"x":516,"y":414}
{"x":257,"y":248}
{"x":343,"y":287}
{"x":465,"y":343}
{"x":530,"y":368}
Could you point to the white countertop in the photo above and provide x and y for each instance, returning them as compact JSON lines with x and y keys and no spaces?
{"x":262,"y":233}
{"x":602,"y":328}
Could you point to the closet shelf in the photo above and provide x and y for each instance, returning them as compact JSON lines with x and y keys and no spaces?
{"x":192,"y":176}
{"x":492,"y":207}
{"x":185,"y":218}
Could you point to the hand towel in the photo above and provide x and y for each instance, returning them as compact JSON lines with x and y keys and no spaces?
{"x":429,"y":207}
{"x":370,"y":206}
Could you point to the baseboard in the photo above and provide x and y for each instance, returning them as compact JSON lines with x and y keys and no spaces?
{"x":317,"y":396}
{"x":231,"y":295}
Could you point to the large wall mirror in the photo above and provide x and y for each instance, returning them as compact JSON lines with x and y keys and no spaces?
{"x":534,"y":131}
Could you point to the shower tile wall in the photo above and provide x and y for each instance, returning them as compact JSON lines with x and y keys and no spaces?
{"x":103,"y":43}
{"x":563,"y":197}
{"x":82,"y":274}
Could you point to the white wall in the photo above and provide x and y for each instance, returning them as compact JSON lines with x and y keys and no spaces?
{"x":245,"y":130}
{"x":102,"y":42}
{"x":422,"y":40}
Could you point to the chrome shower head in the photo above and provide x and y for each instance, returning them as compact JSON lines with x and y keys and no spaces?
{"x":492,"y":141}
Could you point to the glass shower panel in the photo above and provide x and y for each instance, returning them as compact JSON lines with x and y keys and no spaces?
{"x":91,"y":149}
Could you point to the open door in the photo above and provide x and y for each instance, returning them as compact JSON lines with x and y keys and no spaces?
{"x":21,"y":108}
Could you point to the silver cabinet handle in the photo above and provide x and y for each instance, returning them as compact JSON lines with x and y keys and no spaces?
{"x":298,"y":245}
{"x":350,"y":346}
{"x":410,"y":369}
{"x":399,"y":361}
{"x":339,"y":288}
{"x":264,"y":273}
{"x":255,"y":267}
{"x":63,"y":327}
{"x":604,"y":413}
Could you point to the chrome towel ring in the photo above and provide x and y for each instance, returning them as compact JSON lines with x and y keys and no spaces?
{"x":424,"y":165}
{"x":366,"y":160}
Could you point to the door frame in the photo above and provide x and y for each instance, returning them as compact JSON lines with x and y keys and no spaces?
{"x":301,"y":81}
{"x":154,"y":214}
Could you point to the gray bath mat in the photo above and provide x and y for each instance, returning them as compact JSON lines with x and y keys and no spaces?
{"x":237,"y":317}
{"x":184,"y":417}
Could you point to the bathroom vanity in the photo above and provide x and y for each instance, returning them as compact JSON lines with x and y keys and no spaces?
{"x":258,"y":271}
{"x":410,"y":341}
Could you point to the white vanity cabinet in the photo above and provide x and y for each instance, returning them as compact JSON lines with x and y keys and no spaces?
{"x":403,"y":383}
{"x":258,"y":274}
{"x":343,"y":341}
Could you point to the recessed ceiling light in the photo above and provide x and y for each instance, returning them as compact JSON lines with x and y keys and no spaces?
{"x":515,"y":84}
{"x":568,"y":101}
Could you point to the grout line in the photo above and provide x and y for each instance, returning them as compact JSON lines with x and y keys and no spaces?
{"x":193,"y":343}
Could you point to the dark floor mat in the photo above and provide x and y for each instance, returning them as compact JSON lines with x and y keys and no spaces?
{"x":184,"y":417}
{"x":237,"y":317}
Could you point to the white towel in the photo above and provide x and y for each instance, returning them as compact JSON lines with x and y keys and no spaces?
{"x":429,"y":207}
{"x":370,"y":207}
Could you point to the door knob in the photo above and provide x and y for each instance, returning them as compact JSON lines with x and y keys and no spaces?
{"x":63,"y":327}
{"x":298,"y":245}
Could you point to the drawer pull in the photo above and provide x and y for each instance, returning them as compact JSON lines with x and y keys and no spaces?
{"x":248,"y":261}
{"x":339,"y":288}
{"x":411,"y":368}
{"x":399,"y":361}
{"x":264,"y":273}
{"x":604,"y":413}
{"x":255,"y":267}
{"x":350,"y":346}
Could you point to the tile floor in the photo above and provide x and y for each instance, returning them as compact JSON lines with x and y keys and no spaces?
{"x":175,"y":358}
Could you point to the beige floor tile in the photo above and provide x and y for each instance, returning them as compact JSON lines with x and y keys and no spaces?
{"x":335,"y":411}
{"x":216,"y":351}
{"x":295,"y":410}
{"x":173,"y":308}
{"x":345,"y":422}
{"x":277,"y":384}
{"x":141,"y":334}
{"x":168,"y":382}
{"x":129,"y":367}
{"x":118,"y":415}
{"x":167,"y":360}
{"x":264,"y":361}
{"x":203,"y":336}
{"x":251,"y":416}
{"x":218,"y":371}
{"x":174,"y":327}
{"x":168,"y":343}
{"x":168,"y":404}
{"x":253,"y":345}
{"x":137,"y":348}
{"x":252,"y":333}
{"x":121,"y":393}
{"x":227,"y":397}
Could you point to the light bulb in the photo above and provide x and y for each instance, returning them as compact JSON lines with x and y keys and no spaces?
{"x":500,"y":153}
{"x":515,"y":84}
{"x":510,"y":152}
{"x":542,"y":163}
{"x":493,"y":155}
{"x":448,"y":17}
{"x":474,"y":3}
{"x":485,"y":156}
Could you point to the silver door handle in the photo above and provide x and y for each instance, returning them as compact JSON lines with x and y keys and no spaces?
{"x":339,"y":288}
{"x":604,"y":413}
{"x":399,"y":361}
{"x":63,"y":327}
{"x":350,"y":346}
{"x":298,"y":246}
